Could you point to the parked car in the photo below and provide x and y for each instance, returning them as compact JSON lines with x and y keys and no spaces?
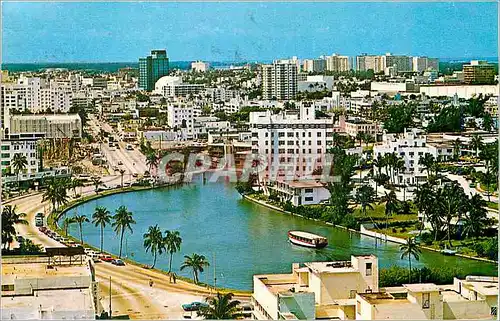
{"x":193,"y":306}
{"x":106,"y":258}
{"x":95,"y":258}
{"x":118,"y":262}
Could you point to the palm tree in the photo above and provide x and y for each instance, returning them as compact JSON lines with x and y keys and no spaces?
{"x":221,"y":307}
{"x":66,"y":223}
{"x":359,"y":137}
{"x":10,"y":218}
{"x":122,"y":171}
{"x":151,"y":161}
{"x":122,"y":220}
{"x":391,"y":205}
{"x":428,"y":162}
{"x":477,"y":217}
{"x":378,"y":163}
{"x":196,"y":263}
{"x":56,"y":193}
{"x":364,"y":197}
{"x":457,"y":146}
{"x":153,"y":240}
{"x":19,"y":163}
{"x":410,"y":249}
{"x":173,"y":243}
{"x":453,"y":203}
{"x":101,"y":217}
{"x":97,"y":182}
{"x":80,"y":219}
{"x":76,"y":183}
{"x":476,"y":143}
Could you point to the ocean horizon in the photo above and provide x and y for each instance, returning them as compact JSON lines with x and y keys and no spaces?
{"x":104,"y":66}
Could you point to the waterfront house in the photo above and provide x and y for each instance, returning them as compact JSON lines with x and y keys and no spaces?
{"x":299,"y":192}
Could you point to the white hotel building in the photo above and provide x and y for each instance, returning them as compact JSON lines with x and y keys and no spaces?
{"x":291,"y":141}
{"x":180,"y":117}
{"x":411,"y":146}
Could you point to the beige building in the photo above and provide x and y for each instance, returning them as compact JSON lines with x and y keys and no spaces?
{"x":358,"y":125}
{"x":32,"y":290}
{"x":337,"y":63}
{"x":315,"y":290}
{"x":349,"y":290}
{"x":479,"y":72}
{"x":55,"y":126}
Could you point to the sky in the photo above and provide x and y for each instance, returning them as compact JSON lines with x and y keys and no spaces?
{"x":229,"y":31}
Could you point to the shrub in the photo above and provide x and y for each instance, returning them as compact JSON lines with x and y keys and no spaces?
{"x":478,"y":248}
{"x":397,"y":275}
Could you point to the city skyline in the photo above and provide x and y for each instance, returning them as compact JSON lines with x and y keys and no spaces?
{"x":244,"y":31}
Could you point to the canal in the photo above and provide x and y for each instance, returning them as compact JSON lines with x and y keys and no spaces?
{"x":241,"y":237}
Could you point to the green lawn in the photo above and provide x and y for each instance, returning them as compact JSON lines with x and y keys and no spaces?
{"x":378,"y":213}
{"x":492,"y":189}
{"x":492,"y":205}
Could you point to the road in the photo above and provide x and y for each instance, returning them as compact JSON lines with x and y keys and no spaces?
{"x":130,"y":290}
{"x":133,"y":161}
{"x":469,"y":190}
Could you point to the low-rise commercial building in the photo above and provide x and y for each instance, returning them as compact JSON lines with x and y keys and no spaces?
{"x":462,"y":91}
{"x":171,"y":86}
{"x":479,"y":72}
{"x":55,"y":126}
{"x":37,"y":291}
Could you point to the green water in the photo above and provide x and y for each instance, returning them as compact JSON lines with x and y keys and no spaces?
{"x":242,"y":238}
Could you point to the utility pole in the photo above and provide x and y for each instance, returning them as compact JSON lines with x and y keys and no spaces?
{"x":110,"y":298}
{"x":215,"y":274}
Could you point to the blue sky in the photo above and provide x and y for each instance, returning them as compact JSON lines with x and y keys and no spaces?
{"x":124,"y":31}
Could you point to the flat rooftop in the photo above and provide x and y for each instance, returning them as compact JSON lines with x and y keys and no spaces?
{"x":305,"y":184}
{"x":10,"y":272}
{"x":421,"y":287}
{"x":331,"y":267}
{"x":57,"y":300}
{"x":484,"y":288}
{"x":382,"y":298}
{"x":281,"y":283}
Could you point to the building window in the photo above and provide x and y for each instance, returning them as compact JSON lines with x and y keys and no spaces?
{"x":493,"y":311}
{"x":308,"y":190}
{"x":426,"y":298}
{"x":308,"y":199}
{"x":368,"y":269}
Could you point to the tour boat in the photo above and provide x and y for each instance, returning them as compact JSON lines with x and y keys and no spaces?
{"x":307,"y":239}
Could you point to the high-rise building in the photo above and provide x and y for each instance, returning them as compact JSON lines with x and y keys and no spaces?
{"x":338,"y":63}
{"x":421,"y":64}
{"x":400,"y":63}
{"x":152,"y":68}
{"x":366,"y":62}
{"x":279,"y":80}
{"x":479,"y":72}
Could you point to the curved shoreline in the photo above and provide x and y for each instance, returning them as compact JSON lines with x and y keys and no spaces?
{"x":276,"y":208}
{"x":53,"y":218}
